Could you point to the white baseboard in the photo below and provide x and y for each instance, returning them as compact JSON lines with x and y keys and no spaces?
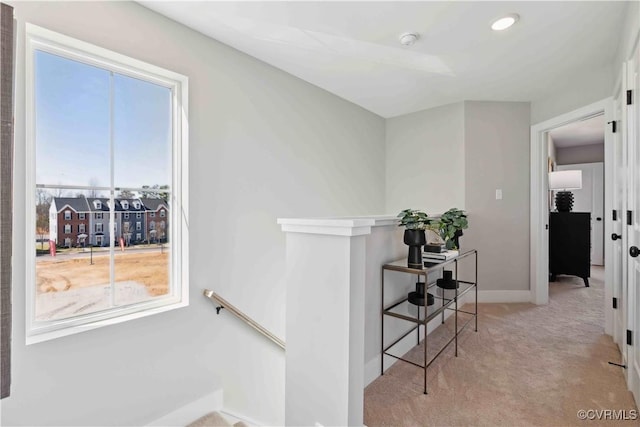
{"x":234,"y":418}
{"x":191,"y":411}
{"x":504,"y":296}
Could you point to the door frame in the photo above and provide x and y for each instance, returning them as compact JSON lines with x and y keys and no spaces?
{"x":539,"y":202}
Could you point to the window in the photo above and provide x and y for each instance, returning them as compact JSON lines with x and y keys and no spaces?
{"x":67,"y":242}
{"x":152,"y":214}
{"x":77,"y":92}
{"x":67,"y":229}
{"x":163,"y":213}
{"x":125,"y":204}
{"x":67,"y":215}
{"x":126,"y":215}
{"x":81,"y":215}
{"x":152,"y":225}
{"x":162,"y":225}
{"x":81,"y":229}
{"x":138,"y":236}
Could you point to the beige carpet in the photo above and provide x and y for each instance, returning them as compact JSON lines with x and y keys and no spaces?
{"x":526,"y":366}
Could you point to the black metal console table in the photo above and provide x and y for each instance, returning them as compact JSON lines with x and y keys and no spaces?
{"x":403,"y":309}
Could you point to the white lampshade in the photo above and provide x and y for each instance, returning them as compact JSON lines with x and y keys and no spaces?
{"x":565,"y":180}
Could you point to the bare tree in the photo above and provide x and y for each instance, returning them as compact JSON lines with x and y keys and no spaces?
{"x":126,"y":194}
{"x":43,"y":203}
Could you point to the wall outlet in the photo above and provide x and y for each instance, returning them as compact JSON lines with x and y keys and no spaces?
{"x":498,"y":194}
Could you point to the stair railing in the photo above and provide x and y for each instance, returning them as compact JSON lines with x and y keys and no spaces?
{"x":249,"y":321}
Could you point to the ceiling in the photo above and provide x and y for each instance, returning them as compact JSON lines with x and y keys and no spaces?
{"x":585,"y":132}
{"x":352,"y":49}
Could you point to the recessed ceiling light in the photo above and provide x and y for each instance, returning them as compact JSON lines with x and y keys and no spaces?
{"x":505,"y":22}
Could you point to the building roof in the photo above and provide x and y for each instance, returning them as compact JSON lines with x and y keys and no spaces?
{"x":131,"y":205}
{"x":154,"y":204}
{"x":104,"y":204}
{"x":78,"y":204}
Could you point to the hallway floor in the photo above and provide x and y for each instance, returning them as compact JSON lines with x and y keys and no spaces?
{"x":527,"y":365}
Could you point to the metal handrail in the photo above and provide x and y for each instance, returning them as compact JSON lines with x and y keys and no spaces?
{"x":249,"y":321}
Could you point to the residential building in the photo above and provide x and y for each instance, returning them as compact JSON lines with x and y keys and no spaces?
{"x":68,"y":221}
{"x":156,"y":212}
{"x":133,"y":220}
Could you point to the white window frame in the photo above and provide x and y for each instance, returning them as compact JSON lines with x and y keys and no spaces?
{"x":99,"y":227}
{"x":97,"y":215}
{"x":67,"y":211}
{"x":81,"y":228}
{"x":163,"y":213}
{"x":138,"y":226}
{"x":81,"y":215}
{"x":152,"y":214}
{"x":138,"y":215}
{"x":68,"y":227}
{"x":126,"y":215}
{"x":138,"y":237}
{"x":38,"y":38}
{"x":97,"y":204}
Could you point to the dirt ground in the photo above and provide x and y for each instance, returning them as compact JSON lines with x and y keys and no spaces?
{"x":148,"y":269}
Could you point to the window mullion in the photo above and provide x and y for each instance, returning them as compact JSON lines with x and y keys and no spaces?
{"x":112,"y":204}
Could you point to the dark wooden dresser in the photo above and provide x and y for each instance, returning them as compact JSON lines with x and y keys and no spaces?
{"x":570,"y":244}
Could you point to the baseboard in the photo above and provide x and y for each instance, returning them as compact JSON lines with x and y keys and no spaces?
{"x":504,"y":296}
{"x":192,"y":411}
{"x":234,"y":418}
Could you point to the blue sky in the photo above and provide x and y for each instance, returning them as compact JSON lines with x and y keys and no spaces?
{"x":73,"y":126}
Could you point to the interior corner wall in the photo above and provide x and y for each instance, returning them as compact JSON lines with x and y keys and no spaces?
{"x":263,"y":145}
{"x":425,"y":160}
{"x":497,"y":157}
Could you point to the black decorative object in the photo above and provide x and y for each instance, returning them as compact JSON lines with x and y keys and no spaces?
{"x":434,"y":248}
{"x":417,"y":297}
{"x":415,"y":239}
{"x":564,"y":201}
{"x":447,"y":282}
{"x":570,"y":244}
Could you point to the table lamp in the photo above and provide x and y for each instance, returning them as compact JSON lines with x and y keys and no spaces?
{"x":562,"y":181}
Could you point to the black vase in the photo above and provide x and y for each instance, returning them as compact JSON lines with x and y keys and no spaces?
{"x":415,"y":239}
{"x":456,"y":238}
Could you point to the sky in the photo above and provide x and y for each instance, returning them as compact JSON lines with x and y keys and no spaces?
{"x":72,"y":102}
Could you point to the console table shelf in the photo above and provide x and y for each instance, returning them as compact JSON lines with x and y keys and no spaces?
{"x":445,"y":299}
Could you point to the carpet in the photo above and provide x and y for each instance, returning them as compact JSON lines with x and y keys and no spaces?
{"x":527,"y":365}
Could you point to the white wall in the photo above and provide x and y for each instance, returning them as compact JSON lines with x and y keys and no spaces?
{"x":586,"y":87}
{"x":263,"y":145}
{"x":581,"y":154}
{"x":425,"y":160}
{"x":497,"y":157}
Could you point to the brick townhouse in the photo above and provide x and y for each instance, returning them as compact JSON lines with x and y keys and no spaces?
{"x":78,"y":221}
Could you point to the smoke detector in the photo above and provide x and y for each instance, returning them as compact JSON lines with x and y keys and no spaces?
{"x":408,"y":39}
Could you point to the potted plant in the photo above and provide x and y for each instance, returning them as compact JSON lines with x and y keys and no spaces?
{"x":449,"y":226}
{"x":415,"y":222}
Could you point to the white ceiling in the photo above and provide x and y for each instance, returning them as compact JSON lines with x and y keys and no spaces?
{"x":586,"y":132}
{"x":351,"y":48}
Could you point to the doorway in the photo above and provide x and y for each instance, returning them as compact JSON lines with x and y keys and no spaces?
{"x":539,"y":267}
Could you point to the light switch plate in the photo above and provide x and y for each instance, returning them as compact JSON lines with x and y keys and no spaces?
{"x":499,"y":194}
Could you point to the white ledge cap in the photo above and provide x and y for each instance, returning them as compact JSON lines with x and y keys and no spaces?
{"x":345,"y":226}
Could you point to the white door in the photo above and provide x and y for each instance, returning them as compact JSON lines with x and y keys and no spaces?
{"x":590,"y":198}
{"x":633,"y":226}
{"x":618,"y":254}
